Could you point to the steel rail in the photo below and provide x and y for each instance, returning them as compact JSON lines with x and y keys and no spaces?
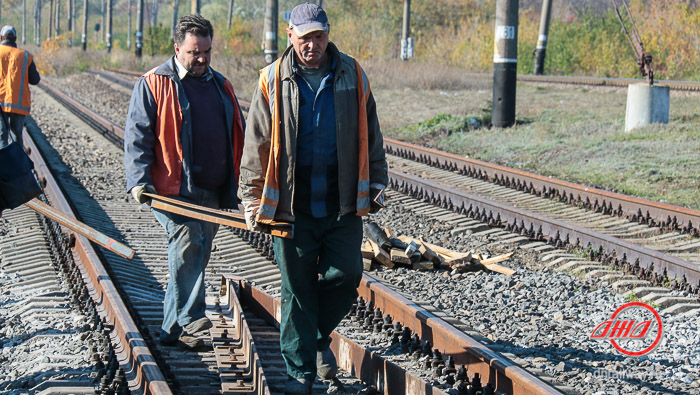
{"x":551,"y":227}
{"x":91,"y":233}
{"x":506,"y":376}
{"x":139,"y":364}
{"x":234,"y":345}
{"x":368,"y":366}
{"x":595,"y":81}
{"x":630,"y":206}
{"x":111,"y":131}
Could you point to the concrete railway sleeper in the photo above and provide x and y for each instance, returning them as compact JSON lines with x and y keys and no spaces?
{"x":503,"y":375}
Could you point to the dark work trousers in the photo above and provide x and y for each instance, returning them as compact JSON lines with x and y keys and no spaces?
{"x":321,"y":270}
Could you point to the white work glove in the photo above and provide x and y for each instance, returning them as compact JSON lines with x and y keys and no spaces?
{"x":137,"y":193}
{"x":377,"y":197}
{"x":251,"y":212}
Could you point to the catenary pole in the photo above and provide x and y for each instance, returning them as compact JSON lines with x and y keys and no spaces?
{"x":69,"y":17}
{"x":406,"y":40}
{"x":57,"y":31}
{"x":176,"y":6}
{"x":270,"y":31}
{"x":542,"y":37}
{"x":48,"y":33}
{"x":505,"y":63}
{"x":129,"y":6}
{"x":84,"y":36}
{"x":139,"y":28}
{"x":24,"y":21}
{"x":230,"y":14}
{"x":37,"y":22}
{"x":108,"y":28}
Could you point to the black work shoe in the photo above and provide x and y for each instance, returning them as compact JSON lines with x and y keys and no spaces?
{"x":326,"y":365}
{"x":198,"y":325}
{"x":301,"y":386}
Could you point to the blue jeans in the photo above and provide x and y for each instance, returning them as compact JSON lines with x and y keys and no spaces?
{"x":189,"y":248}
{"x":321,"y":269}
{"x":16,"y":123}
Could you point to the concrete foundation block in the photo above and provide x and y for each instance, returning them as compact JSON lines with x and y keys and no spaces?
{"x":646,"y":104}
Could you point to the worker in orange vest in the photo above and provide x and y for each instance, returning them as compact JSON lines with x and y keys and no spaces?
{"x":17,"y":71}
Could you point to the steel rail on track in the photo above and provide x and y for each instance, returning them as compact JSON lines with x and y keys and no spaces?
{"x":389,"y":378}
{"x":139,"y":364}
{"x":630,"y":205}
{"x":240,"y":369}
{"x":550,"y":227}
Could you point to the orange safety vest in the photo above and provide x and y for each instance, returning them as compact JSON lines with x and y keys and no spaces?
{"x":14,"y":80}
{"x":167,"y":167}
{"x":270,"y":193}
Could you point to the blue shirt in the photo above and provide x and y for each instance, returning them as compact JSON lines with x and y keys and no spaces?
{"x":316,"y":187}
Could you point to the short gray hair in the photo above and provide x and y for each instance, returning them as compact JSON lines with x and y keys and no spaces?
{"x":194,"y":24}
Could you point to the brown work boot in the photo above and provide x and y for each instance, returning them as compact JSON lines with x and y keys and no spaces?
{"x":326,"y":365}
{"x":198,"y":325}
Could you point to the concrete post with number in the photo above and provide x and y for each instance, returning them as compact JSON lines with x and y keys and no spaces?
{"x":139,"y":29}
{"x":505,"y":63}
{"x":542,"y":37}
{"x":108,"y":28}
{"x":270,"y":31}
{"x":406,"y":40}
{"x":83,"y":38}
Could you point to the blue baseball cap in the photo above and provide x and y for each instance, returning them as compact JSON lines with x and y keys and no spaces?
{"x":8,"y":31}
{"x":307,"y":18}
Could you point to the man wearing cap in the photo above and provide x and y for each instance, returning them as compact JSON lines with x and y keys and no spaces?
{"x":313,"y":156}
{"x":17,"y":72}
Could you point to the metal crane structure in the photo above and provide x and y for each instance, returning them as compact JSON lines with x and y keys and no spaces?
{"x":644,"y":58}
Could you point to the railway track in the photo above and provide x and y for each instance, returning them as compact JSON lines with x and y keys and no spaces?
{"x":465,"y":223}
{"x":551,"y":79}
{"x":656,"y":242}
{"x":142,"y":280}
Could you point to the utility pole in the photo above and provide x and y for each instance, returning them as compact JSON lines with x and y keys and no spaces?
{"x":139,"y":28}
{"x":58,"y":19}
{"x":230,"y":14}
{"x":128,"y":24}
{"x":84,"y":37}
{"x":108,"y":27}
{"x":154,"y":12}
{"x":406,"y":40}
{"x":71,"y":6}
{"x":270,"y":31}
{"x":176,"y":7}
{"x":542,"y":37}
{"x":24,"y":22}
{"x":505,"y":63}
{"x":37,"y":22}
{"x":103,"y":12}
{"x":196,"y":4}
{"x":48,"y":35}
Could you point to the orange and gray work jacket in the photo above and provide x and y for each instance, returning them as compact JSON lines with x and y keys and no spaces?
{"x":17,"y":71}
{"x":269,"y":156}
{"x":158,"y":135}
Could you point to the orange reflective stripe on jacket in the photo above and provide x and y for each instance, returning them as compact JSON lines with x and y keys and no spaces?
{"x":270,"y":193}
{"x":14,"y":80}
{"x":166,"y":170}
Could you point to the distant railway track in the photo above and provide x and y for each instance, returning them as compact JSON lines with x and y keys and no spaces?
{"x":553,"y":79}
{"x":142,"y":283}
